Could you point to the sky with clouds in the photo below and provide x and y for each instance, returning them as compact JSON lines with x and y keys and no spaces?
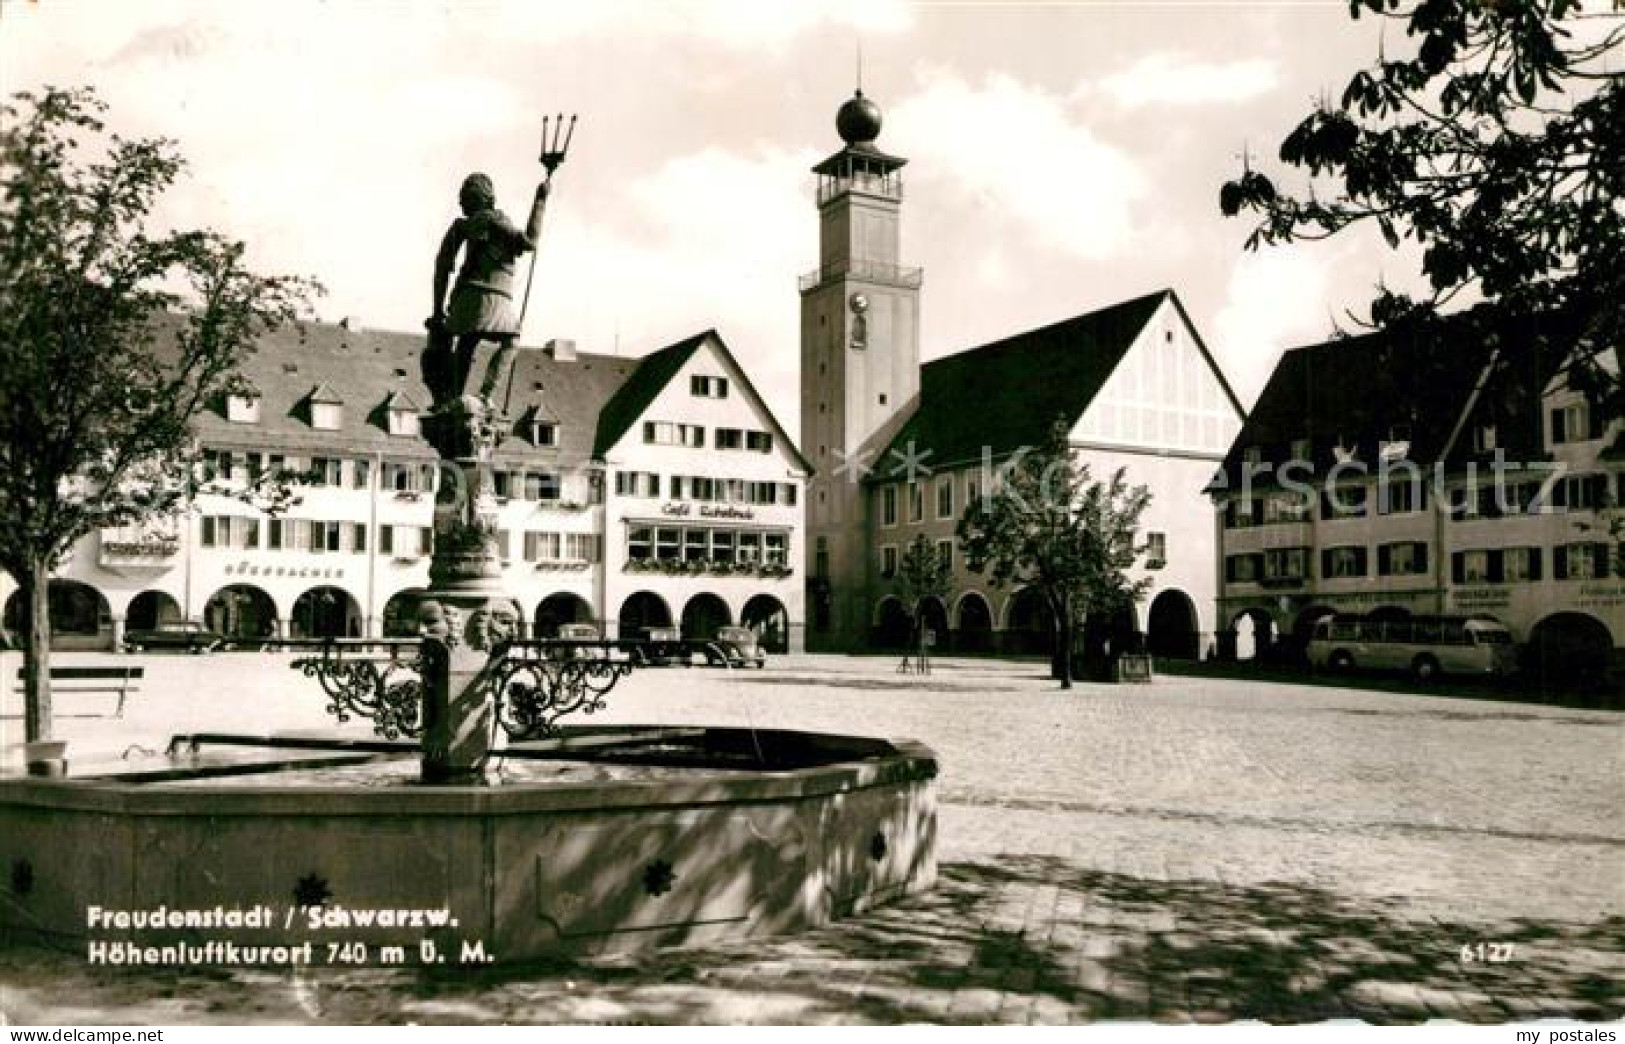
{"x":1062,"y":156}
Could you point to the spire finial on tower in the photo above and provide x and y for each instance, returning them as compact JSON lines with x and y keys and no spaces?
{"x":860,"y":66}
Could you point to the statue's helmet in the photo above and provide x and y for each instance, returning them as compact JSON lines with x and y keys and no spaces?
{"x":478,"y":186}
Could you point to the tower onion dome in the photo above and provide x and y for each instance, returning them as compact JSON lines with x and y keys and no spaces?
{"x":858,"y":121}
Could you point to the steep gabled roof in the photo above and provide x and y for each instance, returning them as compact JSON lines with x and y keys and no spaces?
{"x":1007,"y":394}
{"x":594,"y":399}
{"x":654,"y":372}
{"x":305,"y":362}
{"x":1429,"y":389}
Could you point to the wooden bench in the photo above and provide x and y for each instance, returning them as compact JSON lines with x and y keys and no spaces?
{"x":111,"y":681}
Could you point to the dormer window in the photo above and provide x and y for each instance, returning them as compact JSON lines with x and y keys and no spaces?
{"x":326,"y":409}
{"x":243,"y":409}
{"x":544,"y":433}
{"x":403,"y":422}
{"x":401,"y":414}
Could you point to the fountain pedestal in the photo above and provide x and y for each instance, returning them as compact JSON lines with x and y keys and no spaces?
{"x":465,"y":615}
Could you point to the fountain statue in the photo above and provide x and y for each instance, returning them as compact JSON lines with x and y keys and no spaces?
{"x":593,"y":838}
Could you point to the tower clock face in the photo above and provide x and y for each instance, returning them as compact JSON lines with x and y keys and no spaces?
{"x":860,"y":304}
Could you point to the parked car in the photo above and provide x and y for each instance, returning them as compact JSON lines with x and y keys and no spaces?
{"x":179,"y":634}
{"x":575,"y":632}
{"x":661,"y":645}
{"x":741,"y":647}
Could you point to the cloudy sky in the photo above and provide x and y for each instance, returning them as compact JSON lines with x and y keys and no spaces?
{"x":1063,"y":156}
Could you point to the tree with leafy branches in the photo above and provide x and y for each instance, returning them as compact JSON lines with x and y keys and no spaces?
{"x":921,"y":573}
{"x":112,"y":340}
{"x":1045,"y":522}
{"x":1492,"y":138}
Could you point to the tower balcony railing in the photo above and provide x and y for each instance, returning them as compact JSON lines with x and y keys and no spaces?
{"x":887,"y":186}
{"x":880,"y":272}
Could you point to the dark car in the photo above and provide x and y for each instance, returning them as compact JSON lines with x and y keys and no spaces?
{"x":180,"y":634}
{"x":741,"y":647}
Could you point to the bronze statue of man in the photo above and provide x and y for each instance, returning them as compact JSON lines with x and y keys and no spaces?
{"x":481,"y":306}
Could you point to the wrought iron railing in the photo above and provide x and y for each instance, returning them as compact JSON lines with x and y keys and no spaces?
{"x":533,"y":684}
{"x":381,"y":680}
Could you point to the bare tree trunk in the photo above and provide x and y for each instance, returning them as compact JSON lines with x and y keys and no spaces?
{"x":37,"y":652}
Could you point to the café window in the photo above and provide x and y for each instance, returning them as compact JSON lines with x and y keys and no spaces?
{"x":776,"y":548}
{"x":640,"y":543}
{"x":668,"y":543}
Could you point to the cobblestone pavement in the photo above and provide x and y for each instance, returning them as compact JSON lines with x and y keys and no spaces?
{"x":1196,"y":849}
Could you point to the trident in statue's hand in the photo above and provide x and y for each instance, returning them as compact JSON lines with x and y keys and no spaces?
{"x":553,"y":149}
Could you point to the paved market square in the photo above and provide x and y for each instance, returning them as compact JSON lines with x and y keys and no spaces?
{"x":1196,"y":849}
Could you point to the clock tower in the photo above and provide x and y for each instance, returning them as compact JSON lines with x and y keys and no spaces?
{"x":860,"y":366}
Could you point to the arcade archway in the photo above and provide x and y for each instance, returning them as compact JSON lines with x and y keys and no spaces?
{"x":559,"y":609}
{"x":892,"y":625}
{"x":80,"y":617}
{"x":149,"y":609}
{"x":1255,"y":633}
{"x":766,"y":615}
{"x":704,"y":615}
{"x":641,"y":611}
{"x":400,"y":613}
{"x":1172,"y":627}
{"x":326,"y":612}
{"x":241,"y":612}
{"x":1029,"y":624}
{"x":974,"y":632}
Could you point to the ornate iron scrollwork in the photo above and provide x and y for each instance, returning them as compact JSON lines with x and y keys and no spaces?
{"x":378,"y":680}
{"x":537,"y":683}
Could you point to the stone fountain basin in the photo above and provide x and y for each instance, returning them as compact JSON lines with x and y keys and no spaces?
{"x":601,"y":840}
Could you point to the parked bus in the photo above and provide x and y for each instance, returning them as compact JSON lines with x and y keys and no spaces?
{"x":1427,"y":646}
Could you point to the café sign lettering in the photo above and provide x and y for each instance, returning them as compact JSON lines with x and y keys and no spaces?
{"x":301,"y":572}
{"x":706,"y":511}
